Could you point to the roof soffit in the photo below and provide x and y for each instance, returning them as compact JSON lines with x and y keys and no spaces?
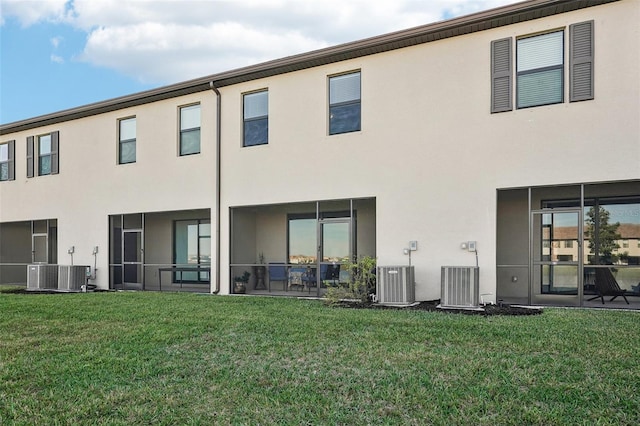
{"x":494,"y":18}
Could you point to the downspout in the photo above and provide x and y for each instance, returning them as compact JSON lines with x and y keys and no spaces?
{"x":218,"y":174}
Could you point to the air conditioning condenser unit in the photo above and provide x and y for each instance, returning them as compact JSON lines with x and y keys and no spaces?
{"x":460,"y":287}
{"x":72,"y":277}
{"x":42,"y":276}
{"x":396,"y":285}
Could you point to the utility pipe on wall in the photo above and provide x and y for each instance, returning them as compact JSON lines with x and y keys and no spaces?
{"x":213,"y":87}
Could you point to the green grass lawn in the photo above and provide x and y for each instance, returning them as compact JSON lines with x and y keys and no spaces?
{"x":151,"y":358}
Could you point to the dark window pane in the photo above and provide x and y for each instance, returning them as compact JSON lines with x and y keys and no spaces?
{"x":132,"y":247}
{"x":190,"y":142}
{"x":45,"y":165}
{"x":540,"y":88}
{"x":344,"y":118}
{"x":116,"y":276}
{"x":4,"y":171}
{"x":117,"y":245}
{"x":256,"y":132}
{"x":132,"y":274}
{"x":128,"y":152}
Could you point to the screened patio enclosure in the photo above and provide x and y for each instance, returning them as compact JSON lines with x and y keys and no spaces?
{"x":26,"y":242}
{"x":162,"y":251}
{"x":300,"y":248}
{"x":570,"y":245}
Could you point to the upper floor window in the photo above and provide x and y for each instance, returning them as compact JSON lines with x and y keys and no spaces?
{"x":127,"y":140}
{"x":256,"y":118}
{"x":7,"y":164}
{"x":540,"y":68}
{"x":344,"y":103}
{"x":190,"y":129}
{"x":42,"y":154}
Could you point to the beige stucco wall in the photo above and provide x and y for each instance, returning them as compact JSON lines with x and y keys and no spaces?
{"x":91,"y":185}
{"x":429,"y":150}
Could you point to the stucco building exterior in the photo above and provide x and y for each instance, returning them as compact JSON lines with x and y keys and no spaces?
{"x":517,"y":129}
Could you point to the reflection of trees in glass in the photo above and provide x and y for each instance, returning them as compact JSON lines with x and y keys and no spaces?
{"x":602,"y":235}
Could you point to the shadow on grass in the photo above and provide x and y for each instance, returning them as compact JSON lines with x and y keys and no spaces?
{"x":432,"y":306}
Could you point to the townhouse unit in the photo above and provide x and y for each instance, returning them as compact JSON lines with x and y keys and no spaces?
{"x":507,"y":140}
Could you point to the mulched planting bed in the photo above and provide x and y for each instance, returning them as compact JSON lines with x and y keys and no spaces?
{"x":45,"y":291}
{"x":502,"y":309}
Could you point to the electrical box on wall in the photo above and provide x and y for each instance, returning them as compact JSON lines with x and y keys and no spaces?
{"x":413,"y":245}
{"x":471,"y":246}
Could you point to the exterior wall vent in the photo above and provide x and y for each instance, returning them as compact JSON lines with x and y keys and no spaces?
{"x":396,"y":284}
{"x":460,"y":286}
{"x":71,"y":278}
{"x":42,"y":276}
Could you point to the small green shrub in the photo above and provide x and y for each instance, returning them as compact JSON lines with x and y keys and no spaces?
{"x":362,"y":282}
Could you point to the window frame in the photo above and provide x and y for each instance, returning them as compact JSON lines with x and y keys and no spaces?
{"x":42,"y":156}
{"x":201,"y":276}
{"x":331,"y":106}
{"x":578,"y":58}
{"x":543,"y":69}
{"x":254,"y":119}
{"x":9,"y":163}
{"x":33,"y":153}
{"x":184,"y":131}
{"x":131,"y":141}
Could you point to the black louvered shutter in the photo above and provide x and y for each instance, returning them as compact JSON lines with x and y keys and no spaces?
{"x":30,"y":156}
{"x":12,"y":160}
{"x":501,"y":75}
{"x":581,"y":61}
{"x":54,"y":152}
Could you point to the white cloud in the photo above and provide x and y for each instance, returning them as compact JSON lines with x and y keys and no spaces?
{"x":178,"y":52}
{"x":169,"y":41}
{"x":33,"y":11}
{"x":57,"y":59}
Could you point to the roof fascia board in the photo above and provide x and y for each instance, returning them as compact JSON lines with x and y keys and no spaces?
{"x":493,"y":18}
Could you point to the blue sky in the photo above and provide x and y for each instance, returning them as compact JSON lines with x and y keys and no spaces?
{"x":60,"y":54}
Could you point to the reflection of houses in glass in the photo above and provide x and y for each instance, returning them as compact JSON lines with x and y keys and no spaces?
{"x":301,"y":259}
{"x":629,"y":244}
{"x":308,"y":195}
{"x":563,"y":246}
{"x":335,"y":259}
